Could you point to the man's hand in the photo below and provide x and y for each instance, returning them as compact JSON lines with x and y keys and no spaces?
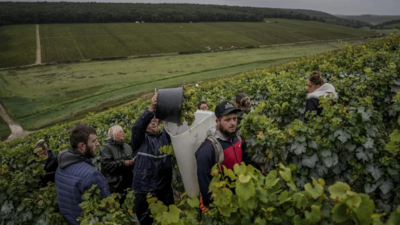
{"x":153,"y":105}
{"x":129,"y":162}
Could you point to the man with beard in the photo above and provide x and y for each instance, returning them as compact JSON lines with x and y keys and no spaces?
{"x":153,"y":170}
{"x":75,"y":173}
{"x":223,"y":145}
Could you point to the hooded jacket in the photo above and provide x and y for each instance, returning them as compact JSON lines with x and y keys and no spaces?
{"x":153,"y":170}
{"x":73,"y":177}
{"x":112,"y":158}
{"x":234,"y":153}
{"x":50,"y":167}
{"x":313,"y":98}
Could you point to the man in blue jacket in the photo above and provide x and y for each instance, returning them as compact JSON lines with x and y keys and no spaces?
{"x":75,"y":173}
{"x":153,"y":170}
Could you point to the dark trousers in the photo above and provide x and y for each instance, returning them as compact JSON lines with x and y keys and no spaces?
{"x":142,"y":207}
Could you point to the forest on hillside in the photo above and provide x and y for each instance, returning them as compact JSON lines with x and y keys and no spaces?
{"x":385,"y":24}
{"x":92,"y":12}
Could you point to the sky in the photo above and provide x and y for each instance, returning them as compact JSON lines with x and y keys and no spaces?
{"x":336,"y":7}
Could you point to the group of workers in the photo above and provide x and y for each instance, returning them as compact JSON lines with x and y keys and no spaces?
{"x":141,"y":166}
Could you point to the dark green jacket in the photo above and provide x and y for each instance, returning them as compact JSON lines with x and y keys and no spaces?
{"x":112,"y":157}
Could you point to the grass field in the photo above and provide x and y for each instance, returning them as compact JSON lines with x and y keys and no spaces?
{"x":18,"y":45}
{"x":66,"y":42}
{"x":87,"y":41}
{"x":40,"y":96}
{"x":4,"y":130}
{"x":393,"y":26}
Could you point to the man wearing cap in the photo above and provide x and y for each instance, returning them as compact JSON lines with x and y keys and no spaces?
{"x":223,"y":138}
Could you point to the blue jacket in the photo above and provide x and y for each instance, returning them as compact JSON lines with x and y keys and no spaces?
{"x":153,"y":170}
{"x":73,"y":177}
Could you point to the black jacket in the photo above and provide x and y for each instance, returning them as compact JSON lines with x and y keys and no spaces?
{"x":50,"y":167}
{"x":112,"y":157}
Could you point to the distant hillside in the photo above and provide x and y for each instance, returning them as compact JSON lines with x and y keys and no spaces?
{"x":393,"y":24}
{"x":92,"y":12}
{"x":348,"y":22}
{"x":373,"y":19}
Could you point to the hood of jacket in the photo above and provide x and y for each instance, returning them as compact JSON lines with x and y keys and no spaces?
{"x":69,"y":157}
{"x":214,"y":132}
{"x":113,"y":142}
{"x":324,"y":90}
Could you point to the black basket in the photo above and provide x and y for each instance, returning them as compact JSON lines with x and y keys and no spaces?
{"x":169,"y":104}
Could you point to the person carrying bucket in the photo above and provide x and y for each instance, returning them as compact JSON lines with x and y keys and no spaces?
{"x":223,"y":143}
{"x":153,"y":170}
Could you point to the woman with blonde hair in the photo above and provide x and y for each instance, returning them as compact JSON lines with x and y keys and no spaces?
{"x":317,"y":87}
{"x":242,"y":101}
{"x":116,"y":161}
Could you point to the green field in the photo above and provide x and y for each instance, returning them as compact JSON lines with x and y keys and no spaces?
{"x":4,"y":129}
{"x":18,"y":45}
{"x":87,"y":41}
{"x":67,"y":42}
{"x":393,"y":26}
{"x":40,"y":96}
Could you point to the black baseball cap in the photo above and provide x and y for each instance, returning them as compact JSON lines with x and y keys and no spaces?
{"x":224,"y":108}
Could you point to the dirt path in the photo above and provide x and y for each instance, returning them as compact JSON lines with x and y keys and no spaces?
{"x":38,"y":50}
{"x":16,"y":130}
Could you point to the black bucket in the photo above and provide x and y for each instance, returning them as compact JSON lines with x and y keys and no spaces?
{"x":169,"y":104}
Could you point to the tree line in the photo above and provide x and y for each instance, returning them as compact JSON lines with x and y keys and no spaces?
{"x":383,"y":25}
{"x":92,"y":12}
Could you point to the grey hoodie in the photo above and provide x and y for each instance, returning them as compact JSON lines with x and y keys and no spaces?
{"x":69,"y":157}
{"x":324,"y":90}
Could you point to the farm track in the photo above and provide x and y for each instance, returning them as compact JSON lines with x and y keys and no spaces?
{"x":16,"y":130}
{"x":38,"y":48}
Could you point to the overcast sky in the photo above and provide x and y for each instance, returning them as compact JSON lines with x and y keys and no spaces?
{"x":344,"y":7}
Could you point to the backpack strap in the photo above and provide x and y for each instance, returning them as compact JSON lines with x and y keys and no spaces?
{"x":239,"y":138}
{"x":219,"y":152}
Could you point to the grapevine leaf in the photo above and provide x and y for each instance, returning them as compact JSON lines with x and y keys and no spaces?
{"x":259,"y":221}
{"x":7,"y":207}
{"x":315,"y":215}
{"x":172,"y":216}
{"x":313,"y":145}
{"x":310,"y":161}
{"x":375,"y":172}
{"x":193,"y":202}
{"x":369,"y":188}
{"x":386,"y":186}
{"x":292,"y":185}
{"x":342,"y":135}
{"x":369,"y":144}
{"x":298,"y":148}
{"x":325,"y":153}
{"x":361,"y":154}
{"x":339,"y":213}
{"x":331,"y":161}
{"x":338,"y":190}
{"x":315,"y":192}
{"x":285,"y":173}
{"x":394,"y":218}
{"x":365,"y":210}
{"x":271,"y":179}
{"x":245,"y":190}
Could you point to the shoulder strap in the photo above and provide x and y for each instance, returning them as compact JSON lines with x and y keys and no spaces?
{"x":219,"y":152}
{"x":239,"y":138}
